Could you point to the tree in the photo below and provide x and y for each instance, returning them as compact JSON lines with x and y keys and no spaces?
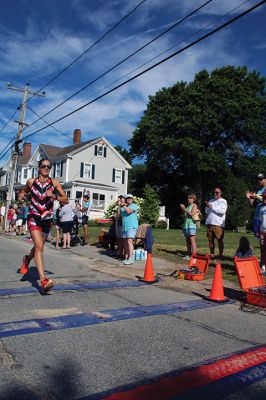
{"x":125,"y":153}
{"x":150,"y":209}
{"x":195,"y":136}
{"x":137,"y":179}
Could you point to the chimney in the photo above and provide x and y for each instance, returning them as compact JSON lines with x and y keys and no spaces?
{"x":76,"y":136}
{"x":26,"y":150}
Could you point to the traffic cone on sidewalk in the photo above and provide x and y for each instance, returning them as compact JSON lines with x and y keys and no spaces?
{"x":148,"y":274}
{"x":217,"y":290}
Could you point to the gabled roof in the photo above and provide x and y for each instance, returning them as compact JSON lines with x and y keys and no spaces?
{"x":53,"y":151}
{"x":23,"y":159}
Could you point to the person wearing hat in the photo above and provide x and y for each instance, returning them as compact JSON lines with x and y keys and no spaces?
{"x":262,"y":232}
{"x":129,"y":227}
{"x":85,"y":209}
{"x":118,"y":226}
{"x":255,"y":200}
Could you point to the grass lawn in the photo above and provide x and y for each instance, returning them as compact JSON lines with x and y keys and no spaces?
{"x":171,"y":246}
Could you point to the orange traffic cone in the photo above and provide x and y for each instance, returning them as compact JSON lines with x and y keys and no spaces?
{"x":148,"y":274}
{"x":217,"y":290}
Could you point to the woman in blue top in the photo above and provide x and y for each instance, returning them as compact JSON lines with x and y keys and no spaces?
{"x":129,"y":227}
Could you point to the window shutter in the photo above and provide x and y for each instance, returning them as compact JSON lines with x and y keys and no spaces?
{"x":113,"y":180}
{"x":81,"y":169}
{"x":54,"y":167}
{"x":104,"y":151}
{"x":95,"y":150}
{"x":32,"y":173}
{"x":123,"y":177}
{"x":61,"y":171}
{"x":92,"y":171}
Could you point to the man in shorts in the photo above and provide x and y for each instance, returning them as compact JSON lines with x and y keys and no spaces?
{"x":215,"y":210}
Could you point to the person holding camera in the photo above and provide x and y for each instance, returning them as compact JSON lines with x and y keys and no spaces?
{"x":129,"y":227}
{"x":118,"y":227}
{"x":189,"y":225}
{"x":85,"y":209}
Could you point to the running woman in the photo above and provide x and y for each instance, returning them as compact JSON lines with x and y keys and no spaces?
{"x":42,"y":190}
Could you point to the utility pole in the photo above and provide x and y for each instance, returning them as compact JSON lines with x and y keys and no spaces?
{"x":16,"y":150}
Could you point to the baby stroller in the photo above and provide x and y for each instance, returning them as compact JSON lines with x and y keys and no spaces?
{"x":75,"y":239}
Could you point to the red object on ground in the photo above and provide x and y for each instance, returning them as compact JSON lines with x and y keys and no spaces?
{"x":217,"y":290}
{"x":149,"y":274}
{"x":104,"y":221}
{"x":251,"y":280}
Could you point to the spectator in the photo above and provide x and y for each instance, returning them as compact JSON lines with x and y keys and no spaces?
{"x":244,"y":250}
{"x":118,"y":227}
{"x":262,"y":232}
{"x":189,"y":226}
{"x":58,"y":227}
{"x":129,"y":227}
{"x":85,"y":209}
{"x":2,"y":215}
{"x":19,"y":220}
{"x":25,"y":215}
{"x":109,"y":238}
{"x":9,"y":218}
{"x":216,"y":213}
{"x":66,"y":218}
{"x":14,"y":218}
{"x":255,"y":200}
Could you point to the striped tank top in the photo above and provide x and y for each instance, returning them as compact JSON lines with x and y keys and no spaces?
{"x":39,"y":201}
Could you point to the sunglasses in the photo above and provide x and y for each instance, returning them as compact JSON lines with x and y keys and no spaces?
{"x":46,"y":166}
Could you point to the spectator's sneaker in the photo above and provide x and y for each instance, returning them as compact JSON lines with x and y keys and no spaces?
{"x":129,"y":261}
{"x":187,"y":258}
{"x":46,"y":285}
{"x":24,"y":269}
{"x":263,"y":269}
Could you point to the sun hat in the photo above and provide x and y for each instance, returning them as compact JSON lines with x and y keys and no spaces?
{"x":129,"y":196}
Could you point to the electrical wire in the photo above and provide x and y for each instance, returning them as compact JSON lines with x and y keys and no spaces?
{"x":122,"y":61}
{"x":6,"y":124}
{"x":57,"y":130}
{"x":156,"y":64}
{"x":229,"y":22}
{"x":88,"y":49}
{"x":164,"y":52}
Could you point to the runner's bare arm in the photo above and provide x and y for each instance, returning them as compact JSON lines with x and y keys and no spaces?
{"x":26,"y":189}
{"x":62,"y":195}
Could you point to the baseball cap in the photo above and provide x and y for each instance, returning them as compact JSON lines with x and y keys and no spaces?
{"x":129,"y":196}
{"x":261,"y":176}
{"x":122,"y":195}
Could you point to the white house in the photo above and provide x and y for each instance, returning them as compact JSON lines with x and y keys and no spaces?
{"x":93,"y":166}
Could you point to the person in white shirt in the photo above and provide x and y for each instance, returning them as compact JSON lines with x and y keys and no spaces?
{"x":215,"y":211}
{"x":2,"y":215}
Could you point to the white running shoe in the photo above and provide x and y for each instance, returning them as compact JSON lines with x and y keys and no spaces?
{"x":263,"y":269}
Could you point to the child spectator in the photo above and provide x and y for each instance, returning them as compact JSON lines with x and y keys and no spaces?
{"x":58,"y":227}
{"x":244,"y":250}
{"x":189,"y":226}
{"x":19,"y":220}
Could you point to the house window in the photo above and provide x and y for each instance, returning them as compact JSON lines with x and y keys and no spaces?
{"x":25,"y":173}
{"x":78,"y":194}
{"x":118,"y":176}
{"x":68,"y":193}
{"x":87,"y":171}
{"x":98,"y":201}
{"x":58,"y":169}
{"x":100,"y":150}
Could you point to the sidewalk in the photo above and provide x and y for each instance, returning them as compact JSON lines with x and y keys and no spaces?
{"x":98,"y":260}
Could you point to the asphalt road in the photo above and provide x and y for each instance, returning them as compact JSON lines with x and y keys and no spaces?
{"x":98,"y":336}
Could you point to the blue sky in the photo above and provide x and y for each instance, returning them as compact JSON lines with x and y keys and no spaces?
{"x":39,"y":38}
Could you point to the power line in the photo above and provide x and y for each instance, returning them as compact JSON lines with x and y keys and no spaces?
{"x":89,"y":48}
{"x":6,"y":124}
{"x":57,"y":130}
{"x":165,"y":51}
{"x":155,"y":65}
{"x":158,"y":63}
{"x":124,"y":60}
{"x":11,"y":140}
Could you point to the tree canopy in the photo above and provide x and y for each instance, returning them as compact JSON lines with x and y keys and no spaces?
{"x":205,"y":133}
